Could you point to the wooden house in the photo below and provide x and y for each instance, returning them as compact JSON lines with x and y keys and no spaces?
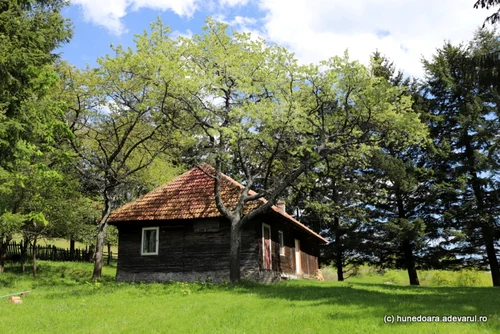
{"x":175,"y":232}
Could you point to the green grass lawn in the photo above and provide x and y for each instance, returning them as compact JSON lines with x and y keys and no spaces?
{"x":63,"y":300}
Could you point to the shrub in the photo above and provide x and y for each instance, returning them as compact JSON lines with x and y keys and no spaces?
{"x":470,"y":277}
{"x":441,"y":278}
{"x":392,"y":276}
{"x":329,"y":273}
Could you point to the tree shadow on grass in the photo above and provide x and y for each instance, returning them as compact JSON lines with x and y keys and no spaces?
{"x":380,"y":299}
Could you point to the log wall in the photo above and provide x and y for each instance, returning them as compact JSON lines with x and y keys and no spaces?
{"x":286,"y":264}
{"x":183,"y":254}
{"x":189,"y":254}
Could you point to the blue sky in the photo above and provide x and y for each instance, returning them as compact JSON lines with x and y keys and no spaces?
{"x":404,"y":30}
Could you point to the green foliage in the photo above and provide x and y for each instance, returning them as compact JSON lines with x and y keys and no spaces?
{"x":394,"y":277}
{"x":121,"y":121}
{"x":464,"y":129}
{"x":11,"y":222}
{"x":428,"y":278}
{"x":468,"y":278}
{"x":118,"y":123}
{"x":31,"y":117}
{"x":493,"y":18}
{"x":391,"y":185}
{"x":442,"y":278}
{"x":29,"y":32}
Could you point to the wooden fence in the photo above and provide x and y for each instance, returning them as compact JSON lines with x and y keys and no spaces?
{"x":53,"y":253}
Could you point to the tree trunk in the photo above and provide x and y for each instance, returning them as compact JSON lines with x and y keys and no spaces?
{"x":4,"y":244}
{"x":339,"y":256}
{"x":109,"y":254}
{"x":34,"y":257}
{"x":410,"y":263}
{"x":101,"y":235}
{"x":407,"y":248}
{"x":486,"y":231}
{"x":491,"y":253}
{"x":91,"y":253}
{"x":24,"y":253}
{"x":235,"y":253}
{"x":72,"y":249}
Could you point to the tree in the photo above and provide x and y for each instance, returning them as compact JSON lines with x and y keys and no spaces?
{"x":261,"y":118}
{"x":489,"y":63}
{"x":29,"y":32}
{"x":400,"y":190}
{"x":38,"y":195}
{"x":493,"y":18}
{"x":330,"y":198}
{"x":466,"y":126}
{"x":350,"y":192}
{"x":399,"y":183}
{"x":240,"y":95}
{"x":119,"y":125}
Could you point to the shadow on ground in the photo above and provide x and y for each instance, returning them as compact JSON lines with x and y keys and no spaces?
{"x":381,"y":299}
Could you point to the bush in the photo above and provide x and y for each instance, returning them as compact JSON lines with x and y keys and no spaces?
{"x":471,"y":278}
{"x":393,"y":276}
{"x":441,"y":278}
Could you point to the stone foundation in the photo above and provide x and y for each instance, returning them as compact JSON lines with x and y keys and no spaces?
{"x":210,"y":276}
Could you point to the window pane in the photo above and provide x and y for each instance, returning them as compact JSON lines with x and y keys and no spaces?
{"x":281,"y":242}
{"x":149,"y":243}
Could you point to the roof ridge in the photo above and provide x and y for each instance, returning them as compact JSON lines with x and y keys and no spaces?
{"x":191,"y":198}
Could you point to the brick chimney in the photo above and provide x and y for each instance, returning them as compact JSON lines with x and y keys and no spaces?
{"x":281,"y":206}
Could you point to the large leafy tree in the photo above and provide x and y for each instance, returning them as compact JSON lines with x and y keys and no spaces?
{"x":466,"y":127}
{"x":119,"y":117}
{"x":368,"y":201}
{"x":262,"y":118}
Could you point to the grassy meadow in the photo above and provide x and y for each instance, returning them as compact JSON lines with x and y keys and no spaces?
{"x":64,"y":300}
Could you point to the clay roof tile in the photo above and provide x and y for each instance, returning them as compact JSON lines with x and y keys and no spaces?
{"x":189,"y":196}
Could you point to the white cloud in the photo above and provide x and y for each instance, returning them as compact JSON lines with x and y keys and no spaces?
{"x":186,"y":34}
{"x":245,"y":24}
{"x":179,"y":7}
{"x":233,"y":3}
{"x":403,"y":30}
{"x":108,"y":13}
{"x":105,"y":13}
{"x":248,"y":25}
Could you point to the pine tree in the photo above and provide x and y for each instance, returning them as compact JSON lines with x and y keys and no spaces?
{"x":466,"y":127}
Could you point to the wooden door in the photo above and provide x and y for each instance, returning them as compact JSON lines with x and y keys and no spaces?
{"x":266,"y":244}
{"x":298,"y":264}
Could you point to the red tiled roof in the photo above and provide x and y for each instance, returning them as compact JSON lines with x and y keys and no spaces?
{"x":191,"y":195}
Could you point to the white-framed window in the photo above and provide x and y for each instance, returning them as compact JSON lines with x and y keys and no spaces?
{"x":281,"y":241}
{"x":149,"y":241}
